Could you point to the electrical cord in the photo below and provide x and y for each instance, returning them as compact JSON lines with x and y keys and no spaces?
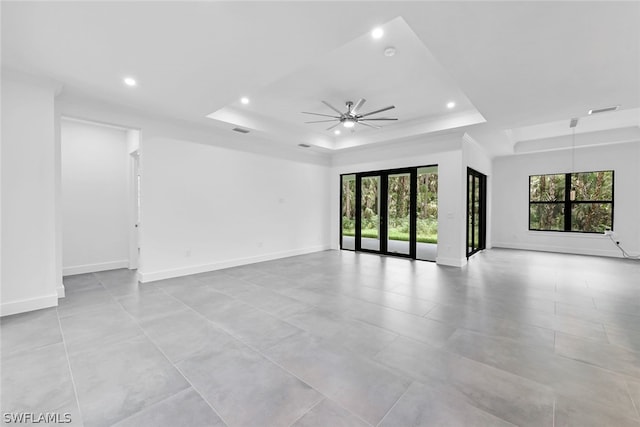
{"x":625,"y":254}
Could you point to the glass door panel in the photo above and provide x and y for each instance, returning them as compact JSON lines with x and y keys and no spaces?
{"x":348,"y":215}
{"x":388,"y":211}
{"x":476,"y":211}
{"x":399,"y":213}
{"x":427,"y":214}
{"x":470,"y":235}
{"x":370,"y":192}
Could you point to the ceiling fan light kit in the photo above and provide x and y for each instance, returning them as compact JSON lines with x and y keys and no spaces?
{"x":348,"y":123}
{"x":351,"y":117}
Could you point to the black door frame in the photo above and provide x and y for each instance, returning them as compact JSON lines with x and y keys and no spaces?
{"x":384,"y":207}
{"x":481,"y":181}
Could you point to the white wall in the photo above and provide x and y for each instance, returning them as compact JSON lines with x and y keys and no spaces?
{"x":446,"y":152}
{"x":511,"y":199}
{"x":211,"y":243}
{"x":95,"y":197}
{"x":29,"y":280}
{"x":207,"y":207}
{"x":475,"y":157}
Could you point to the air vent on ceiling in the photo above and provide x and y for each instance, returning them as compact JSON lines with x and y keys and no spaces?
{"x":304,"y":145}
{"x":240,"y":130}
{"x":603,"y":110}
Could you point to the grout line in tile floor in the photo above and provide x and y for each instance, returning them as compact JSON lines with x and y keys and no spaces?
{"x":633,"y":402}
{"x":394,"y":404}
{"x":336,"y":292}
{"x":262,"y":354}
{"x":169,"y":361}
{"x":606,"y":334}
{"x":309,"y":410}
{"x":66,"y":353}
{"x":390,"y":308}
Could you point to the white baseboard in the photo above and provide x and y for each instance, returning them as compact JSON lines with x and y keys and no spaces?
{"x":92,"y":268}
{"x":558,"y":249}
{"x":22,"y":306}
{"x":451,"y":262}
{"x":60,"y":290}
{"x":152,"y":276}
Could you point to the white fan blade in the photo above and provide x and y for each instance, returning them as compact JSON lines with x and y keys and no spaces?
{"x":358,"y":105}
{"x":378,"y":111}
{"x":319,"y":114}
{"x":333,"y":108}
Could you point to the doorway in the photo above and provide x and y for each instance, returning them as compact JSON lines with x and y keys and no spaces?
{"x":476,"y":211}
{"x":390,"y":212}
{"x":134,"y":206}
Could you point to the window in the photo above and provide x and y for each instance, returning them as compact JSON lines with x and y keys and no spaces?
{"x":578,"y":202}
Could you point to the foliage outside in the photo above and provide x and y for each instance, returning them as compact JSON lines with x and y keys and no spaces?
{"x":590,"y":202}
{"x":398,"y":207}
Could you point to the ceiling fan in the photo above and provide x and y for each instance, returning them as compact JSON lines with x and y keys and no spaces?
{"x":349,"y":118}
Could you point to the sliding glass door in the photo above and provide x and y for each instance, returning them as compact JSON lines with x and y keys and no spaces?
{"x":348,"y":212}
{"x":427,"y":214}
{"x":476,"y":211}
{"x":399,"y":225}
{"x":392,"y":212}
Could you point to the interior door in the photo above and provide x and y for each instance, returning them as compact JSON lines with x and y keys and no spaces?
{"x":134,"y":226}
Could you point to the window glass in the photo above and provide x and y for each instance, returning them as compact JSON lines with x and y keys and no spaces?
{"x":588,"y":208}
{"x":546,"y":216}
{"x":591,"y":217}
{"x":593,"y":186}
{"x":546,"y":188}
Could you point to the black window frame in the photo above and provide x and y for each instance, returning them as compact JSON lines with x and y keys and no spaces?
{"x":567,"y":203}
{"x":384,"y":174}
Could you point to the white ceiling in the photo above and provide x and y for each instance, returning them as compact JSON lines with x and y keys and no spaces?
{"x":524,"y":67}
{"x":411,"y":80}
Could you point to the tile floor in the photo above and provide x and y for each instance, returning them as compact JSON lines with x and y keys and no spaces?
{"x":339,"y":339}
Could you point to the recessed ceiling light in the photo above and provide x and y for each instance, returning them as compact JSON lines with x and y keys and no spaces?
{"x":337,"y":131}
{"x":244,"y":100}
{"x":130,"y":81}
{"x":451,"y":104}
{"x":390,"y":51}
{"x":377,"y":33}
